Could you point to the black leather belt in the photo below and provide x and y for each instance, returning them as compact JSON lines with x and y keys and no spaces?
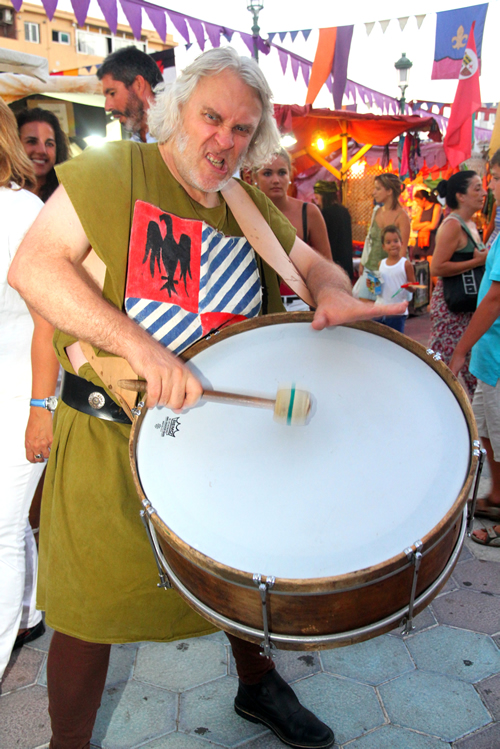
{"x":90,"y":399}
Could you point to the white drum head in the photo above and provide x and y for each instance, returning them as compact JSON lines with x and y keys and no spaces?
{"x":379,"y":465}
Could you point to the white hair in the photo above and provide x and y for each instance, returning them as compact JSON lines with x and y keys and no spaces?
{"x":165,"y":114}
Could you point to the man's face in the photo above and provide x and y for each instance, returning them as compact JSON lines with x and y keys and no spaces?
{"x":218,"y":123}
{"x":495,"y":182}
{"x":123,"y":103}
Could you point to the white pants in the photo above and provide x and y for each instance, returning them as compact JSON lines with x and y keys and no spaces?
{"x":18,"y":556}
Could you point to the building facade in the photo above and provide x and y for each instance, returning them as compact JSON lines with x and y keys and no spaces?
{"x":67,"y":46}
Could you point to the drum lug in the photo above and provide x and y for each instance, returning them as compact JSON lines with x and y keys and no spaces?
{"x":479,"y":452}
{"x":431,"y":352}
{"x":414,"y":555}
{"x":137,"y":410}
{"x":164,"y":579}
{"x":263,"y":588}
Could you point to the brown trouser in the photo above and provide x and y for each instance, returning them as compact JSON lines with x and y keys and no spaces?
{"x":76,"y":674}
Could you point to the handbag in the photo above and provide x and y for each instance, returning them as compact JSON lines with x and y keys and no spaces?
{"x":460,"y":292}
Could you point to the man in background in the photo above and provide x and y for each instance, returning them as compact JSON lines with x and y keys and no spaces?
{"x":128,"y":79}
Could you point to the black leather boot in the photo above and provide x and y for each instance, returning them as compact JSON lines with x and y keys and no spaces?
{"x":274,"y":703}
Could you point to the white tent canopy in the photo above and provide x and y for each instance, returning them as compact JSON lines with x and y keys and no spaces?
{"x":22,"y":75}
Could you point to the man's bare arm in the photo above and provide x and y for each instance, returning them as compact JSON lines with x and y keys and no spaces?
{"x":46,"y":272}
{"x":331,"y":289}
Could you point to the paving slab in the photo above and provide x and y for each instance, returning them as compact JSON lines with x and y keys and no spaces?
{"x":455,"y":652}
{"x":180,"y":741}
{"x":22,"y":670}
{"x":182,"y":664}
{"x":434,"y":704}
{"x":371,"y":662}
{"x":469,"y":609}
{"x":489,"y":689}
{"x":349,"y":708}
{"x":291,"y":664}
{"x":488,"y":738}
{"x":24,"y":719}
{"x":394,"y":737}
{"x":208,"y":711}
{"x":133,"y":713}
{"x":268,"y":741}
{"x":479,"y":575}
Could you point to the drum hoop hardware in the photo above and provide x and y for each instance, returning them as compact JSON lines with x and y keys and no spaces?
{"x":316,"y":641}
{"x":479,"y":452}
{"x":145,"y":514}
{"x":263,"y":588}
{"x":414,"y":555}
{"x":431,"y":352}
{"x":137,"y":410}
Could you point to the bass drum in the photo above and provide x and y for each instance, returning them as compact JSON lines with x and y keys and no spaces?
{"x":310,"y":534}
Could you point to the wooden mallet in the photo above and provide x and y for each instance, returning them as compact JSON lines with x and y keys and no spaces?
{"x":291,"y":406}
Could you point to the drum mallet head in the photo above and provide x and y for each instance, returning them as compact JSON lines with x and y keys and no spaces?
{"x":292,"y":406}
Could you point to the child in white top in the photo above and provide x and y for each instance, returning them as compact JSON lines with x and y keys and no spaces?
{"x":394,"y":272}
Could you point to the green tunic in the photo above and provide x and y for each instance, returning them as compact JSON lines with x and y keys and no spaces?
{"x":97,"y":575}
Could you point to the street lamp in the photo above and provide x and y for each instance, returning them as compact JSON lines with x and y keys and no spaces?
{"x":403,"y":66}
{"x":255,"y":6}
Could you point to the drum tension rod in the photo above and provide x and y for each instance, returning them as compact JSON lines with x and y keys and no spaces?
{"x":414,"y":555}
{"x":263,"y":588}
{"x":479,"y":452}
{"x":164,"y":580}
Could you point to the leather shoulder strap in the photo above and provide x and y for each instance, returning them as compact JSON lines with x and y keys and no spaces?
{"x":262,"y":238}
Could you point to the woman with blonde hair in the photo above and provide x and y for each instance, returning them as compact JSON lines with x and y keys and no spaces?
{"x":274,"y":180}
{"x":388,"y":211}
{"x":27,"y":366}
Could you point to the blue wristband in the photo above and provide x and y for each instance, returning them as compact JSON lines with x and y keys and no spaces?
{"x":49,"y":403}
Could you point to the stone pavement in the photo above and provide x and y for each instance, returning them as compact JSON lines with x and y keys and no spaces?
{"x":438,"y":687}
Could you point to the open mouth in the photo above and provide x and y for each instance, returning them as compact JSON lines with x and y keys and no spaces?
{"x":219,"y":164}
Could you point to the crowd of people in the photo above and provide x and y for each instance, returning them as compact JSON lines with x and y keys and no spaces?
{"x":188,"y":141}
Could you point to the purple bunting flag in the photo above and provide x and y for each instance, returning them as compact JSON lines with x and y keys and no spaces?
{"x":158,"y":19}
{"x":282,"y":35}
{"x":305,"y":34}
{"x":306,"y":72}
{"x":213,"y":33}
{"x":271,"y":36}
{"x":263,"y":46}
{"x":110,"y":13}
{"x":248,"y":39}
{"x":228,"y":33}
{"x":282,"y":54}
{"x":295,"y":67}
{"x":17,"y":5}
{"x":198,"y":31}
{"x":80,"y":9}
{"x":133,"y":13}
{"x":340,"y":60}
{"x":50,"y":8}
{"x":179,"y":22}
{"x":293,"y":35}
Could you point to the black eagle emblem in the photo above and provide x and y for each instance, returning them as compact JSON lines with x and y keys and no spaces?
{"x":169,"y":253}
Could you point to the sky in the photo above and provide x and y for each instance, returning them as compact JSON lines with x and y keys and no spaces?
{"x":372,"y":58}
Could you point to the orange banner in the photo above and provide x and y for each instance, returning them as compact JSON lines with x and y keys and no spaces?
{"x":323,"y":61}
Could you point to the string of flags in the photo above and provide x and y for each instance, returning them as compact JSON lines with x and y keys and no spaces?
{"x":331,"y":60}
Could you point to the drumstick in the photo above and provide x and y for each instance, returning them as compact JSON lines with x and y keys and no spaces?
{"x":291,"y":406}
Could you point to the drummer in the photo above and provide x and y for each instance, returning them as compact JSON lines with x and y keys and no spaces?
{"x":125,"y":201}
